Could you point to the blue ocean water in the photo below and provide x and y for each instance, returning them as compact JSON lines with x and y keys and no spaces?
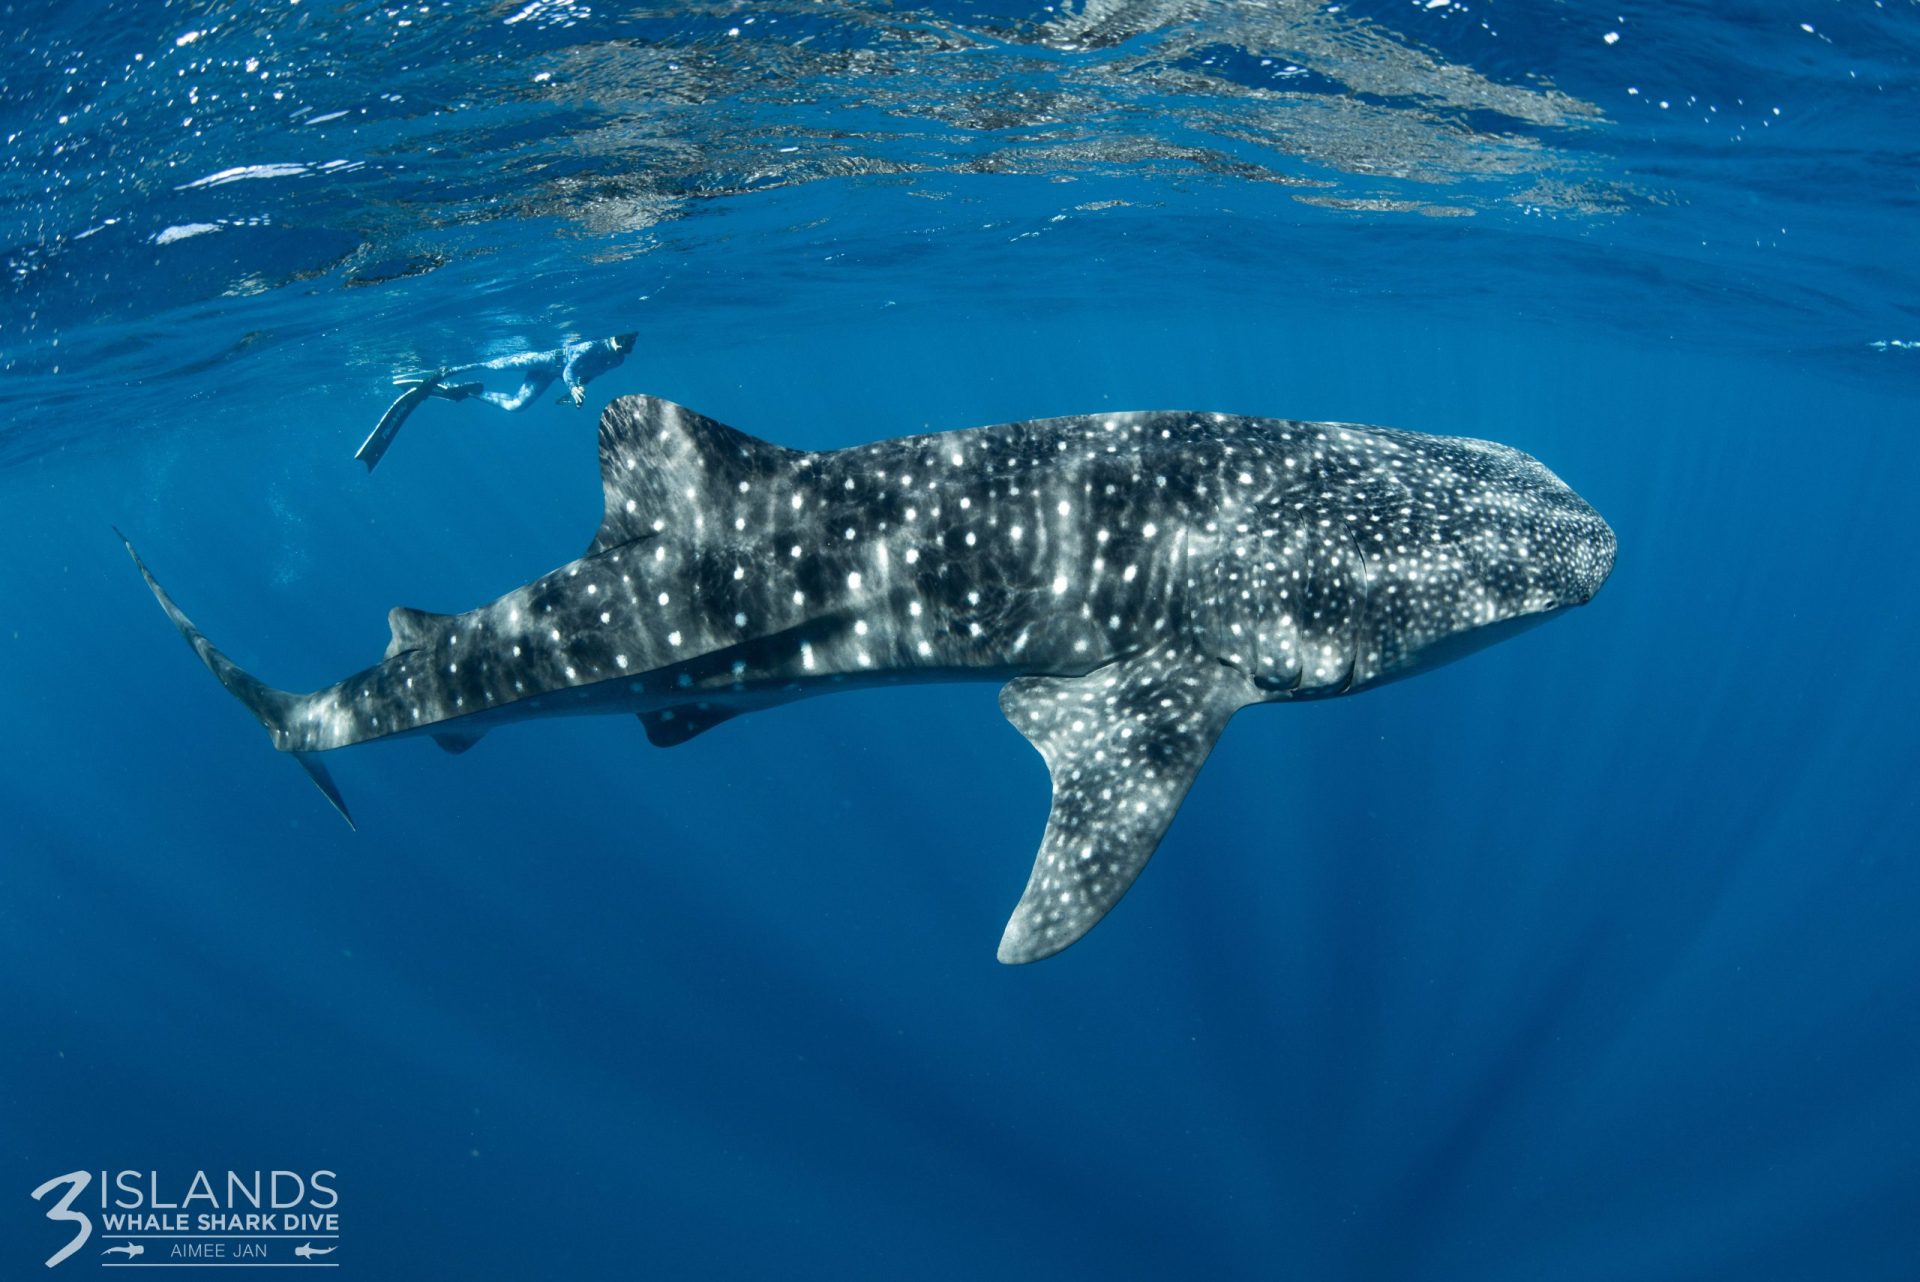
{"x":1590,"y":957}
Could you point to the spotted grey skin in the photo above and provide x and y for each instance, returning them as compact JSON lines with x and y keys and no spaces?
{"x":1133,"y":578}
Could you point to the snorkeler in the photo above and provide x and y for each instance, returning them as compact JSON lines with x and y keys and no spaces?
{"x":575,"y":364}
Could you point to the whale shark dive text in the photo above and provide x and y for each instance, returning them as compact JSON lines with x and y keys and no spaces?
{"x":1133,"y":579}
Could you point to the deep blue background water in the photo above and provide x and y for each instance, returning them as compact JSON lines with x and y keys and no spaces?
{"x":1590,"y":957}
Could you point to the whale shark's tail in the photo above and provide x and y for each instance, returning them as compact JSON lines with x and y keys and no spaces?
{"x":272,"y":707}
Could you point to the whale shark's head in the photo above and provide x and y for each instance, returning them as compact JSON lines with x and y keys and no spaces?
{"x":1486,"y":543}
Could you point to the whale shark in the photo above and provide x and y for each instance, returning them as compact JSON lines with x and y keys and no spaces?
{"x":1132,"y":580}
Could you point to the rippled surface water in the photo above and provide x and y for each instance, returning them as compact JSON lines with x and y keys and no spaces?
{"x":1716,"y":172}
{"x":1589,"y":957}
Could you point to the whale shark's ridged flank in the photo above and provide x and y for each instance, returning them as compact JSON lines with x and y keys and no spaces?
{"x":269,"y":705}
{"x":1133,"y":578}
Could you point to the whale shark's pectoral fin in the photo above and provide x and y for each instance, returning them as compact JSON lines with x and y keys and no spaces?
{"x":1123,"y":744}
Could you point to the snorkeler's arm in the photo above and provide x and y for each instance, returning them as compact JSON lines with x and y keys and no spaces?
{"x":588,"y":361}
{"x":576,"y":373}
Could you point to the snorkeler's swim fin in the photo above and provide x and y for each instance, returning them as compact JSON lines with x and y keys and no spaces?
{"x":374,"y":448}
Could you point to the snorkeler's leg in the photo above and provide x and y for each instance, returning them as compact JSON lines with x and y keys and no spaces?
{"x":434,"y":384}
{"x":509,"y":400}
{"x":516,"y":361}
{"x":535,"y":383}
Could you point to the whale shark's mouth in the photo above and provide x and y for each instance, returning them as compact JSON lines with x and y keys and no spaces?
{"x":1604,"y":549}
{"x":1458,"y":645}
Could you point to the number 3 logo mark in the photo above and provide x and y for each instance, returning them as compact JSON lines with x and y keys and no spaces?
{"x":63,"y":1210}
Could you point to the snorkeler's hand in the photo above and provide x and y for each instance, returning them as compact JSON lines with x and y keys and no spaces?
{"x":579,"y":395}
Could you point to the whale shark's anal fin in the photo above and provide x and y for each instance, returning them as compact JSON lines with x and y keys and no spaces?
{"x":456,"y":743}
{"x":670,"y":727}
{"x":1123,"y":744}
{"x":661,"y":463}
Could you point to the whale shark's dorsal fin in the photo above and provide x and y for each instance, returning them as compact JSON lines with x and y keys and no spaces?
{"x":659,"y":462}
{"x":1123,"y":743}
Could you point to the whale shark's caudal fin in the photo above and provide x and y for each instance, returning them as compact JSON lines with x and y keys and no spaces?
{"x":268,"y":705}
{"x":1123,"y":744}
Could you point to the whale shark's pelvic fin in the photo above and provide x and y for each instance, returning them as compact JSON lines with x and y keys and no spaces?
{"x":660,"y":462}
{"x":268,"y":705}
{"x":1123,"y":744}
{"x":670,"y":727}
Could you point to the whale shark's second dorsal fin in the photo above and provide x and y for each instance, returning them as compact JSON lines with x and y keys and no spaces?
{"x":412,"y":629}
{"x":661,"y":463}
{"x":1123,"y":744}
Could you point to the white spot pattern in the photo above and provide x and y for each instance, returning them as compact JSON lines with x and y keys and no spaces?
{"x":1161,"y":568}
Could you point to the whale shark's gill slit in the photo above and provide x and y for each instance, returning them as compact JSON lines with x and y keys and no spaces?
{"x":1358,"y":635}
{"x":638,"y":539}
